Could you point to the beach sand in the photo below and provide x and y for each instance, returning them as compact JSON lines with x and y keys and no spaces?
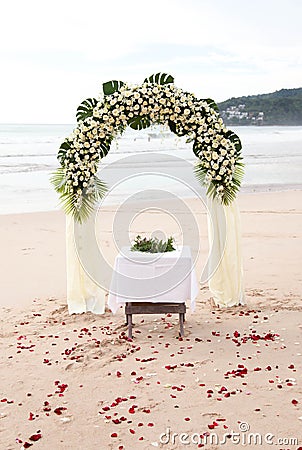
{"x":66,"y":380}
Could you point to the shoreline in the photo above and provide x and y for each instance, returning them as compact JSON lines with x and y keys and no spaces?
{"x":251,"y":189}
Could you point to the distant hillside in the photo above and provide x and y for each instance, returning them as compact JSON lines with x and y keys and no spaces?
{"x":282,"y":107}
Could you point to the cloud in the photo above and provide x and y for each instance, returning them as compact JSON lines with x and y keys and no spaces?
{"x":55,"y":54}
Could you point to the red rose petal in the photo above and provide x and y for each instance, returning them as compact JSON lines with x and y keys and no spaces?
{"x":132,"y":431}
{"x":113,"y":435}
{"x":150,"y":424}
{"x":295,"y":402}
{"x":35,"y":437}
{"x":31,"y":416}
{"x":59,"y":410}
{"x":187,"y":419}
{"x":116,"y":421}
{"x":27,"y":445}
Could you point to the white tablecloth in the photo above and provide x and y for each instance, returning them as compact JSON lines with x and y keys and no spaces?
{"x":153,"y":277}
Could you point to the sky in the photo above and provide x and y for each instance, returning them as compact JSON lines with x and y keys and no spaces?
{"x":56,"y":53}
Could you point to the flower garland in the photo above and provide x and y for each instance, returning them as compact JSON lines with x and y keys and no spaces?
{"x":156,"y":101}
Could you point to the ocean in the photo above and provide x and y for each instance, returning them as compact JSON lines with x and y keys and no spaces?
{"x":273,"y":158}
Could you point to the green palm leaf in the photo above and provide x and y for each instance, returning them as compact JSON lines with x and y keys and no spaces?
{"x":85,"y":109}
{"x":160,"y":78}
{"x":68,"y":199}
{"x":58,"y":180}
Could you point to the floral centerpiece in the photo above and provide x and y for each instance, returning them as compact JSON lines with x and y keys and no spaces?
{"x":152,"y":245}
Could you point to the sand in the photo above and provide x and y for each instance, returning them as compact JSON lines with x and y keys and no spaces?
{"x":66,"y":380}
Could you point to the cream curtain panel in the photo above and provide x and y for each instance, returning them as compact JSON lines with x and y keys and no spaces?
{"x":83,"y":294}
{"x":225,"y":264}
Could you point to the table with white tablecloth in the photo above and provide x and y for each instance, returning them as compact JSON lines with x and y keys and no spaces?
{"x":153,"y":277}
{"x":153,"y":283}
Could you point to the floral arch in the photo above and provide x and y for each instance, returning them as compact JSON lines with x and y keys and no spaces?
{"x":156,"y":101}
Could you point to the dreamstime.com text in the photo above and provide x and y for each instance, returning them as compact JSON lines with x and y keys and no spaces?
{"x":242,"y":437}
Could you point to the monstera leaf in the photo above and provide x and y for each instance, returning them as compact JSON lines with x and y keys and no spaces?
{"x":105,"y":147}
{"x":160,"y":78}
{"x":86,"y":108}
{"x":197,"y":148}
{"x":112,"y":86}
{"x":63,"y":148}
{"x":139,"y":123}
{"x":172,"y":126}
{"x":234,"y":139}
{"x":176,"y":129}
{"x":212,"y":104}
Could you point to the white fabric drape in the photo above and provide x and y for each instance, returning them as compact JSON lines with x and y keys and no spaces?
{"x":83,"y":294}
{"x":225,"y":264}
{"x":148,"y":277}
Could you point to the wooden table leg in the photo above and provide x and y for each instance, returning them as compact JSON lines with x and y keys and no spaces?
{"x":181,"y":324}
{"x":129,"y":322}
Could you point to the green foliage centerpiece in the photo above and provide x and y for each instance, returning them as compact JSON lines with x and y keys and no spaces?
{"x":152,"y":245}
{"x":156,"y":101}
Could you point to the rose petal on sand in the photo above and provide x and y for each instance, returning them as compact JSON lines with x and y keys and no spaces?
{"x":35,"y":437}
{"x":59,"y":410}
